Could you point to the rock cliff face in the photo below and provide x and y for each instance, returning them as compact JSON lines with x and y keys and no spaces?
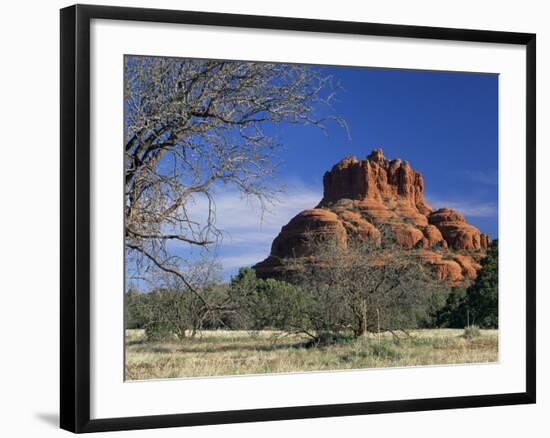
{"x":362,"y":196}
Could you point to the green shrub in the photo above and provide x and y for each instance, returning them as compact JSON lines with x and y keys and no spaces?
{"x":384,"y":351}
{"x":159,"y":331}
{"x":471,"y":332}
{"x":453,"y":313}
{"x":136,"y":309}
{"x":328,"y":338}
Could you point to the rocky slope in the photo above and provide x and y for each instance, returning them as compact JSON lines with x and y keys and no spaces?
{"x":362,"y":196}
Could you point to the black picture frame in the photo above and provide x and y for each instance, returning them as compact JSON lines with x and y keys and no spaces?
{"x":75,"y":218}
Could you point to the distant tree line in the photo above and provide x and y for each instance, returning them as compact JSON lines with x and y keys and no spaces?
{"x":344,"y":292}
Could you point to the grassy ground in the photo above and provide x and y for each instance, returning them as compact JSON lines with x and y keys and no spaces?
{"x":217,"y":353}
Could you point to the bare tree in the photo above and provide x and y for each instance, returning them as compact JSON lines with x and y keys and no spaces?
{"x":366,"y":283}
{"x":194,"y":127}
{"x":174,"y":311}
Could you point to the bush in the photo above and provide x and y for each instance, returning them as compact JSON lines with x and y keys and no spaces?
{"x":136,"y":310}
{"x":385,"y":351}
{"x":454,"y":313}
{"x":268,"y":303}
{"x":324,"y":339}
{"x":471,"y":332}
{"x":159,"y":331}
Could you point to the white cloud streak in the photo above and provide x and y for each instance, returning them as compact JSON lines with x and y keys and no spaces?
{"x":231,"y":263}
{"x":247,"y":230}
{"x":466,"y":207}
{"x":242,"y":219}
{"x":488,"y":177}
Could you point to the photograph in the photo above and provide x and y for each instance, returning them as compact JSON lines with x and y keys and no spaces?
{"x":275,"y":219}
{"x":287,"y":218}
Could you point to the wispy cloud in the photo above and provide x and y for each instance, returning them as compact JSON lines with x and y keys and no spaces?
{"x":247,"y":229}
{"x":467,"y":207}
{"x":488,"y":177}
{"x":243,"y":219}
{"x":231,"y":263}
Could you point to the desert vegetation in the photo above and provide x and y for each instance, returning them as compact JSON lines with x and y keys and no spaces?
{"x":348,"y":309}
{"x":371,"y":277}
{"x":235,"y":352}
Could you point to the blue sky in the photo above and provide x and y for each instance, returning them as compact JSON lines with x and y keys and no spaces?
{"x":444,"y":123}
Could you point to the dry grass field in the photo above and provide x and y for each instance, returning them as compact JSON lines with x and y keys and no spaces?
{"x":216,"y":353}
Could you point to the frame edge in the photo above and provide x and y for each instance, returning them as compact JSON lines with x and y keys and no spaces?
{"x":68,"y":395}
{"x":531,"y":218}
{"x":75,"y":218}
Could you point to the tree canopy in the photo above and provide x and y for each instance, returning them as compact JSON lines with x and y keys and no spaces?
{"x":193,"y":126}
{"x":482,"y":295}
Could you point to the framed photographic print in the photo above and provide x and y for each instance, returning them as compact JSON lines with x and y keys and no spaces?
{"x":268,"y":218}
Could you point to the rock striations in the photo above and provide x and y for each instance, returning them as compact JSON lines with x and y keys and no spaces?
{"x":362,"y":196}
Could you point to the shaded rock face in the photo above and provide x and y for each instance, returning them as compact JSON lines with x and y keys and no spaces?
{"x":456,"y":232}
{"x":360,"y":197}
{"x":290,"y":241}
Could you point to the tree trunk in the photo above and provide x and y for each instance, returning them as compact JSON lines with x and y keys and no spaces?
{"x":364,"y":311}
{"x":181,"y":332}
{"x":362,"y":329}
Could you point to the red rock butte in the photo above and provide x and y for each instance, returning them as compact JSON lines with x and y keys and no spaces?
{"x":362,"y":196}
